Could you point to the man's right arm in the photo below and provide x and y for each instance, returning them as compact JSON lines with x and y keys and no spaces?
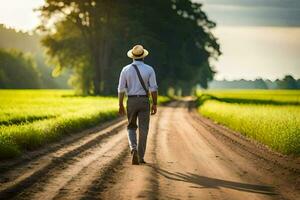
{"x":121,"y":105}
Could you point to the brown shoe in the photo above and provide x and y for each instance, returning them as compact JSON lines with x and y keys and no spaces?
{"x":142,"y":161}
{"x":135,"y":159}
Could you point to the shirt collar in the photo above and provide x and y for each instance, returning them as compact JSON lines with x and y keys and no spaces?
{"x":137,"y":62}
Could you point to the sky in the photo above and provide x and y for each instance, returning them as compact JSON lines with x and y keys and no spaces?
{"x":259,"y":38}
{"x":19,"y":13}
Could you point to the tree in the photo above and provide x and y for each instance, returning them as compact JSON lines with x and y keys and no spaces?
{"x":93,"y":36}
{"x":181,"y":40}
{"x":30,"y":43}
{"x":288,"y":82}
{"x":260,"y":84}
{"x":17,"y":71}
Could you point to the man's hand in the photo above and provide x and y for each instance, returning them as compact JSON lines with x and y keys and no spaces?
{"x":121,"y":110}
{"x":121,"y":106}
{"x":154,"y":95}
{"x":153,"y":109}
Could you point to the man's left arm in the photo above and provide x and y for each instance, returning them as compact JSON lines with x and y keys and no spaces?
{"x":154,"y":93}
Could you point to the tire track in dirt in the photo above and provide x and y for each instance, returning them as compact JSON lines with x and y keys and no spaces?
{"x":194,"y":161}
{"x":73,"y":176}
{"x":137,"y":182}
{"x":256,"y":149}
{"x":251,"y":158}
{"x":186,"y":160}
{"x":24,"y":176}
{"x":190,"y":167}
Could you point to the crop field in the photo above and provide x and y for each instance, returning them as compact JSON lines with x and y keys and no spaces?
{"x":271,"y":117}
{"x":32,"y":118}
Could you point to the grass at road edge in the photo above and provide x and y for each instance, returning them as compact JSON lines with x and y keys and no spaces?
{"x":277,"y":126}
{"x":16,"y":138}
{"x":33,"y":118}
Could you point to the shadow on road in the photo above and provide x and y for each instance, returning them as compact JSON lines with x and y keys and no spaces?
{"x":207,"y":182}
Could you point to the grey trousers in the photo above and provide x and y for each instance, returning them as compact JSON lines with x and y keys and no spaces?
{"x":138,"y":108}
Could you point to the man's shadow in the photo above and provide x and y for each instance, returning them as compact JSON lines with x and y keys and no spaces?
{"x":207,"y":182}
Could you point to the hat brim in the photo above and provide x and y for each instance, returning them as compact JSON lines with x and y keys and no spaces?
{"x":130,"y":55}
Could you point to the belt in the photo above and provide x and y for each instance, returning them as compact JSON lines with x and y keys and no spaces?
{"x":129,"y":96}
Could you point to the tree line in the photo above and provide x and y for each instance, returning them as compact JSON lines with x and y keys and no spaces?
{"x":22,"y":46}
{"x":17,"y":70}
{"x":288,"y":82}
{"x":91,"y":37}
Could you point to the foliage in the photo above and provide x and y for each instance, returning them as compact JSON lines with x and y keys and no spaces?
{"x":164,"y":99}
{"x":17,"y":71}
{"x":30,"y":44}
{"x":288,"y":82}
{"x":271,"y":117}
{"x":13,"y":39}
{"x":93,"y":36}
{"x":279,"y":97}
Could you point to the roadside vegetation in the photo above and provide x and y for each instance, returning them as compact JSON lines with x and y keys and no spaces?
{"x":32,"y":118}
{"x":271,"y":117}
{"x":17,"y":70}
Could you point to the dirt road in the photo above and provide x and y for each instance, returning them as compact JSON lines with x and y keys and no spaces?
{"x":188,"y":157}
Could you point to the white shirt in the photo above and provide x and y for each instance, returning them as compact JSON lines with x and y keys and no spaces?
{"x":129,"y":81}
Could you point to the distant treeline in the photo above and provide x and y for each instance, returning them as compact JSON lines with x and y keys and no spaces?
{"x":22,"y":63}
{"x":18,"y":71}
{"x":288,"y":82}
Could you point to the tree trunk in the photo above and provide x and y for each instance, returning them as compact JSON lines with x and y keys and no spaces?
{"x":97,"y":74}
{"x":106,"y":65}
{"x":96,"y":81}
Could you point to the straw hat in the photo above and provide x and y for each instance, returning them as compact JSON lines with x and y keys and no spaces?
{"x":137,"y":52}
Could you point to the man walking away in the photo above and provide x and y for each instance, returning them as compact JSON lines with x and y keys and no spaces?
{"x":137,"y":79}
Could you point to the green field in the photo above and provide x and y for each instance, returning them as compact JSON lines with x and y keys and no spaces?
{"x":271,"y":117}
{"x":32,"y":118}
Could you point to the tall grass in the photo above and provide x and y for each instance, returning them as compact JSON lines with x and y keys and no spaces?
{"x":32,"y":118}
{"x":260,"y":96}
{"x":274,"y":124}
